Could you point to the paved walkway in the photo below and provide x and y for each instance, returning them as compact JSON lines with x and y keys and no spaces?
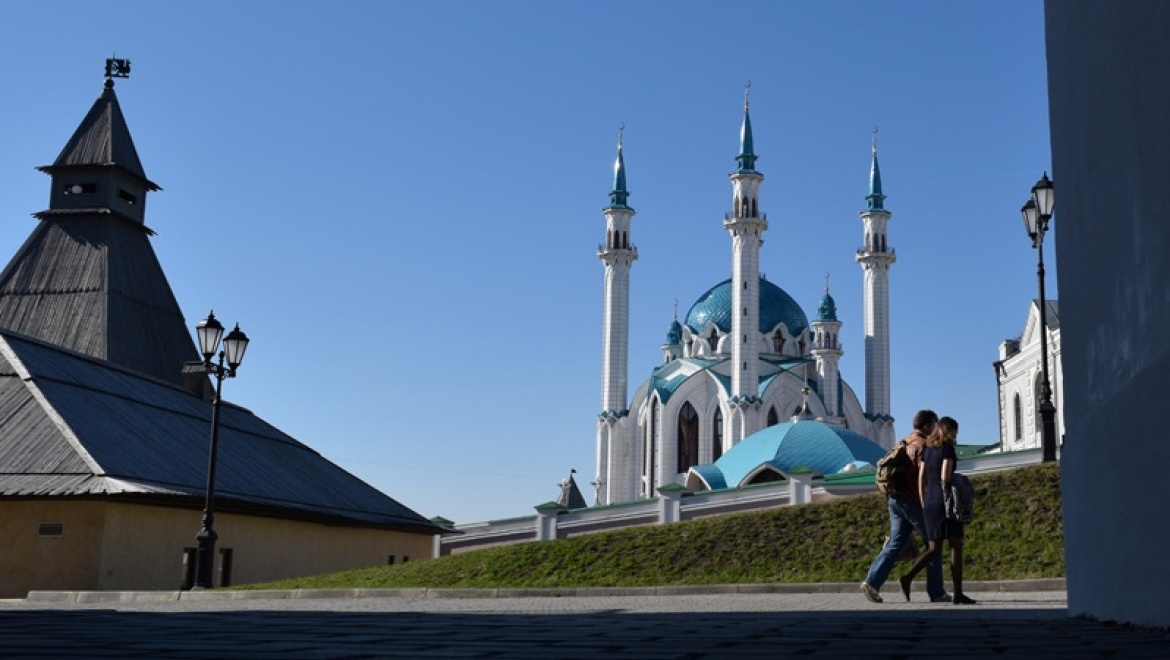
{"x":643,"y":624}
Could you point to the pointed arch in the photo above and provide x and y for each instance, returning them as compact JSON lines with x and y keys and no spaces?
{"x":773,"y":418}
{"x":688,"y":437}
{"x":717,"y":435}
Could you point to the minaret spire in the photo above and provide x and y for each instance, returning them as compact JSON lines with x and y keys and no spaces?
{"x":619,"y":194}
{"x":875,"y":196}
{"x":616,"y":476}
{"x":747,"y":154}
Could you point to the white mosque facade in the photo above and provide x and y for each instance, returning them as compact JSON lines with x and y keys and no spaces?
{"x":744,"y":359}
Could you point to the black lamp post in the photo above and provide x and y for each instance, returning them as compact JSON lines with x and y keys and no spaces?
{"x":1037,"y":212}
{"x":209,"y":332}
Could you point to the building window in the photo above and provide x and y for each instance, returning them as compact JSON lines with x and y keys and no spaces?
{"x":713,"y":340}
{"x":778,"y":342}
{"x":127,"y":197}
{"x":717,"y":435}
{"x":51,"y":529}
{"x":773,"y":418}
{"x":688,"y":437}
{"x":1018,"y":413}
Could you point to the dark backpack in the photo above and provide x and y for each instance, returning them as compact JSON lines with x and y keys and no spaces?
{"x":959,"y":499}
{"x":895,"y":471}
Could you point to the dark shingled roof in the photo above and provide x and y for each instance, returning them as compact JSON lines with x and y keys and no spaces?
{"x":103,"y":138}
{"x":76,"y":426}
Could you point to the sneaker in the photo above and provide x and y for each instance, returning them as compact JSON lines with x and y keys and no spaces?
{"x":963,"y":600}
{"x":871,"y":593}
{"x":944,"y":598}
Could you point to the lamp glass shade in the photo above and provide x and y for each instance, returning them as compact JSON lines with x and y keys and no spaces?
{"x":1044,"y":195}
{"x":209,"y":331}
{"x":234,"y":346}
{"x":1031,"y":218}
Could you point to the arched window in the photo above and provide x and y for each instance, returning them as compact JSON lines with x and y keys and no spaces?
{"x":688,"y":437}
{"x":648,"y":465}
{"x":713,"y":339}
{"x":1038,"y":394}
{"x":773,"y":418}
{"x":778,"y":342}
{"x":717,"y":435}
{"x":737,"y":207}
{"x":1018,"y":414}
{"x":755,"y":208}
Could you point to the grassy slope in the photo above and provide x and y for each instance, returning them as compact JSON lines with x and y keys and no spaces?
{"x":1017,"y":533}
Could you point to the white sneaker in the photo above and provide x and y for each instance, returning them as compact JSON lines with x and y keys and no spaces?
{"x":873,"y":595}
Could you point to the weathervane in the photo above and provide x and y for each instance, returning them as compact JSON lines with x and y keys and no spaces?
{"x":747,"y":88}
{"x":116,"y":68}
{"x":621,"y":129}
{"x":874,"y":145}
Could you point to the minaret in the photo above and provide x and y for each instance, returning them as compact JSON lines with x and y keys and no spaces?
{"x":826,"y":349}
{"x":746,"y":226}
{"x":617,"y":254}
{"x":875,"y":258}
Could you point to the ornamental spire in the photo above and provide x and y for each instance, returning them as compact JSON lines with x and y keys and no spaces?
{"x":875,"y":196}
{"x":619,"y":194}
{"x":747,"y":155}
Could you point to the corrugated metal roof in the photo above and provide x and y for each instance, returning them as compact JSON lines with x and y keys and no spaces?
{"x":149,"y":437}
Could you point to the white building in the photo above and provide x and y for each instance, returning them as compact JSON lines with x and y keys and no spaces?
{"x":740,"y":359}
{"x":1018,"y":379}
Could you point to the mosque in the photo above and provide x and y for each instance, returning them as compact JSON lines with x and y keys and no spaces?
{"x":749,"y":389}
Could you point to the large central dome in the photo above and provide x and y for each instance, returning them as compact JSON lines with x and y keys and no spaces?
{"x":776,"y":306}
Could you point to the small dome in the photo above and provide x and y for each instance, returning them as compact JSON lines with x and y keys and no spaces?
{"x":818,"y":446}
{"x":674,"y":335}
{"x":776,"y":307}
{"x":828,"y":309}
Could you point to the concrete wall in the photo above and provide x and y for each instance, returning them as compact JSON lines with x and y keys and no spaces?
{"x":1110,"y":121}
{"x":114,"y":546}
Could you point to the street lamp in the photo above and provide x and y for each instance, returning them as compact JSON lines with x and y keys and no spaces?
{"x":209,"y":332}
{"x":1037,"y":212}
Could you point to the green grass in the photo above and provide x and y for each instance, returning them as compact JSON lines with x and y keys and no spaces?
{"x":1017,"y":533}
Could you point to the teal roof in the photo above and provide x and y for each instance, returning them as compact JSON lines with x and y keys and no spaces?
{"x":818,"y":446}
{"x":619,"y":194}
{"x":747,"y":156}
{"x":674,"y":335}
{"x":776,"y":307}
{"x":828,"y":309}
{"x":875,"y":196}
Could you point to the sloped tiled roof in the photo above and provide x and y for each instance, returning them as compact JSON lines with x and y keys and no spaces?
{"x":71,"y":425}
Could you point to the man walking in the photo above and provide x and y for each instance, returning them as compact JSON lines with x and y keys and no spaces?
{"x":905,"y":517}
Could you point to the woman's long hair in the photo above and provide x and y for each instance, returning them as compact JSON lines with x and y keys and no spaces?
{"x":945,"y":432}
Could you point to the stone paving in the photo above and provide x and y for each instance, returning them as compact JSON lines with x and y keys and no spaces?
{"x":636,"y":624}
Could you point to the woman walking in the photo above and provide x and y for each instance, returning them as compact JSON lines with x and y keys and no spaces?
{"x":934,"y":476}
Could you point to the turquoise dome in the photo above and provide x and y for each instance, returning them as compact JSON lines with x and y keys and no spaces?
{"x":776,"y":306}
{"x":818,"y":446}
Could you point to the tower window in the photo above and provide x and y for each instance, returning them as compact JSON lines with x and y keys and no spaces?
{"x":713,"y":340}
{"x":80,"y":188}
{"x":127,"y":197}
{"x":778,"y":342}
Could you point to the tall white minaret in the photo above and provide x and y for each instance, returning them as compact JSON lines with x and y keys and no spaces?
{"x":826,"y":350}
{"x":614,"y":458}
{"x":746,"y":226}
{"x":875,"y":258}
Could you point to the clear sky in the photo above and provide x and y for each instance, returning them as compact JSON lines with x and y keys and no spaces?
{"x":400,"y":203}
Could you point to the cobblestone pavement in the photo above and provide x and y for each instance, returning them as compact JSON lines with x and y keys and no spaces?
{"x":1032,"y":624}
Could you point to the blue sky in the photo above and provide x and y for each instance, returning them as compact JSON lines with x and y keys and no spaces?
{"x":400,"y":203}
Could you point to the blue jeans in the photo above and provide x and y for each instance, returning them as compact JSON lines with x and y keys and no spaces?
{"x":905,"y":517}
